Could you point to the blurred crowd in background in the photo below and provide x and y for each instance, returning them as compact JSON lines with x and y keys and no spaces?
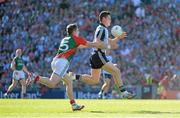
{"x":37,"y":27}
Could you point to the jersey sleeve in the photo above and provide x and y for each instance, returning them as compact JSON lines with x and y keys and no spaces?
{"x":79,"y":40}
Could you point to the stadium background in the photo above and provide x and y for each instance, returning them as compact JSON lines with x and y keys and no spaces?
{"x":152,"y":45}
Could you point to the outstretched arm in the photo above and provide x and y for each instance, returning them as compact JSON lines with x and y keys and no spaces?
{"x":26,"y":70}
{"x":86,"y":44}
{"x":112,"y":42}
{"x":97,"y":44}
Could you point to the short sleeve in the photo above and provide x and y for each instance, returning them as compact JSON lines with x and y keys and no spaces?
{"x":79,"y":40}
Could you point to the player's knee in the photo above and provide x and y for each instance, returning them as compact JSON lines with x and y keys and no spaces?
{"x":52,"y":85}
{"x":96,"y":82}
{"x":23,"y":84}
{"x":13,"y":85}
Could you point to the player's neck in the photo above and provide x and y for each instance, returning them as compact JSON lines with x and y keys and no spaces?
{"x":103,"y":24}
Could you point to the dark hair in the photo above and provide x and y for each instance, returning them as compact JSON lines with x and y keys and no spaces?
{"x":70,"y":28}
{"x":103,"y":14}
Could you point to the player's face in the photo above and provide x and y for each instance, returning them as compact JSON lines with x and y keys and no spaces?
{"x":76,"y":32}
{"x":108,"y":21}
{"x":19,"y":52}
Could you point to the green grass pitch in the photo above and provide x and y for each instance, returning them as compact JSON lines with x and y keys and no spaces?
{"x":46,"y":108}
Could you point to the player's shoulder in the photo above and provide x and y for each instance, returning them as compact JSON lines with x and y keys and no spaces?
{"x":67,"y":37}
{"x":16,"y":57}
{"x":77,"y":37}
{"x":101,"y":27}
{"x":79,"y":40}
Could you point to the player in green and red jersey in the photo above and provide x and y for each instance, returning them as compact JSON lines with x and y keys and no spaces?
{"x":18,"y":68}
{"x":62,"y":60}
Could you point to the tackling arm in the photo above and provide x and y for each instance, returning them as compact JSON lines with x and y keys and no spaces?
{"x":97,"y":44}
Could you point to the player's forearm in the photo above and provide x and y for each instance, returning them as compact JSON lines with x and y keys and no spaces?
{"x":114,"y":39}
{"x":104,"y":46}
{"x":13,"y":67}
{"x":107,"y":46}
{"x":96,"y":45}
{"x":91,"y":44}
{"x":88,"y":45}
{"x":82,"y":46}
{"x":25,"y":70}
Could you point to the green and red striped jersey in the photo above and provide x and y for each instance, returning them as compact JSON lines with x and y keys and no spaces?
{"x":68,"y":47}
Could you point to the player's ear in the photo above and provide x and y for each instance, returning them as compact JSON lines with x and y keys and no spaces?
{"x":73,"y":32}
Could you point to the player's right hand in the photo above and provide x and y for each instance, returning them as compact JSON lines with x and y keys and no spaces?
{"x":122,"y":36}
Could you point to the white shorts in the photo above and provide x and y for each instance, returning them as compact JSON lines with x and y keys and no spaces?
{"x":18,"y":75}
{"x":60,"y":66}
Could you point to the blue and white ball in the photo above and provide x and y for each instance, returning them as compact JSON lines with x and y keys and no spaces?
{"x":116,"y":30}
